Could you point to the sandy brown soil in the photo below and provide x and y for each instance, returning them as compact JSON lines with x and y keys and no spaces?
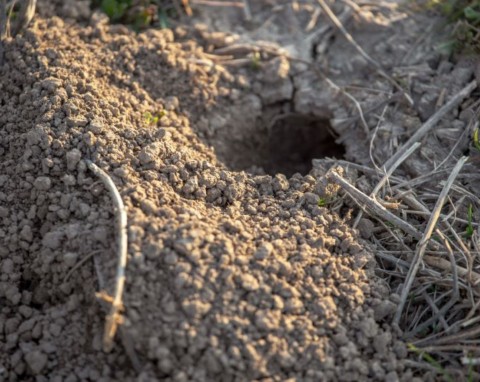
{"x":232,"y":275}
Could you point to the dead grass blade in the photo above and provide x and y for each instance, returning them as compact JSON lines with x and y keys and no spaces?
{"x":422,"y":245}
{"x":373,"y":206}
{"x":3,"y":27}
{"x":114,"y":316}
{"x":360,"y":50}
{"x":432,"y":121}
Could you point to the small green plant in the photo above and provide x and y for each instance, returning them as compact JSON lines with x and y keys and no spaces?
{"x":153,"y":119}
{"x":256,"y":61}
{"x":322,"y":202}
{"x":139,"y":14}
{"x":476,"y":142}
{"x":465,"y":16}
{"x":428,"y":358}
{"x":470,"y":369}
{"x":469,"y":230}
{"x":115,"y":9}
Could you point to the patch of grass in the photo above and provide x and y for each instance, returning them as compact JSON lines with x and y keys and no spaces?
{"x":465,"y":16}
{"x":139,"y":14}
{"x":432,"y":361}
{"x":469,"y":230}
{"x":115,"y":9}
{"x":256,"y":61}
{"x":322,"y":202}
{"x":475,"y":139}
{"x":153,"y":119}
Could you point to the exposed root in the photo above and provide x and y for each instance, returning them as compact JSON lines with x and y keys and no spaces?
{"x":114,"y":317}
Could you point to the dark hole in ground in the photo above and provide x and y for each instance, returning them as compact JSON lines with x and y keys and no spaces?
{"x":295,"y":139}
{"x":276,"y":141}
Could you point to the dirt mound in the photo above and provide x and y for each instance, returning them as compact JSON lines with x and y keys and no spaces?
{"x":231,"y":276}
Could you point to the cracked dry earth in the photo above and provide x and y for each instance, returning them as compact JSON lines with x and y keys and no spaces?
{"x":232,"y":275}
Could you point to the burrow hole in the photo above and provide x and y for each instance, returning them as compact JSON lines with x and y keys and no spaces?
{"x":283,"y":143}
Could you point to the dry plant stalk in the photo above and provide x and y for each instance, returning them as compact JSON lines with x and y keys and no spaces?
{"x":24,"y":16}
{"x":360,"y":50}
{"x":214,"y":3}
{"x":114,"y":317}
{"x":373,"y":206}
{"x":387,"y":174}
{"x":186,"y":6}
{"x":3,"y":27}
{"x":422,"y":245}
{"x":432,"y":121}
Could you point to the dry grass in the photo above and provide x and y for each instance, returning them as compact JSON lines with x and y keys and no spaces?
{"x":428,"y":248}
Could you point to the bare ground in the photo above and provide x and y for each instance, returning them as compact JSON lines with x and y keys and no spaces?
{"x":232,"y":274}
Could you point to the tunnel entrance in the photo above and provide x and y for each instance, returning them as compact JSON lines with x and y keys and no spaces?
{"x":295,"y":139}
{"x":275,"y":143}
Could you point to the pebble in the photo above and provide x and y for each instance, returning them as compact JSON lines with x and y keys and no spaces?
{"x":263,"y":251}
{"x":7,"y":266}
{"x":26,"y":233}
{"x":384,"y":309}
{"x":42,"y":183}
{"x":36,"y":361}
{"x":52,"y":239}
{"x":365,"y":228}
{"x":70,"y":259}
{"x":73,"y":157}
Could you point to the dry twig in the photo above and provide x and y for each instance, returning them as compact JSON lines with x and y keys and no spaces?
{"x":422,"y":245}
{"x":364,"y":201}
{"x":387,"y":175}
{"x":360,"y":50}
{"x":214,"y":3}
{"x":3,"y":27}
{"x":114,"y":316}
{"x":79,"y":264}
{"x":432,"y":121}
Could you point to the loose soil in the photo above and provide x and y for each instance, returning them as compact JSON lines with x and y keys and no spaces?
{"x":236,"y":270}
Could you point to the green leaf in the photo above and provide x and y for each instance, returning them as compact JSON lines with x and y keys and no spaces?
{"x":476,"y":142}
{"x":469,"y":230}
{"x":471,"y":14}
{"x":162,"y":17}
{"x":432,"y":361}
{"x":115,"y":9}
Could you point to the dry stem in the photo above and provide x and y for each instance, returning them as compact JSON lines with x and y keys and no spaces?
{"x":373,"y":206}
{"x":3,"y":27}
{"x":422,"y":245}
{"x":113,"y":318}
{"x":432,"y":121}
{"x":360,"y":50}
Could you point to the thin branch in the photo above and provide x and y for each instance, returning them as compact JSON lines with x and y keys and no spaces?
{"x":364,"y":201}
{"x":360,"y":50}
{"x":3,"y":27}
{"x":246,"y":10}
{"x":388,"y":174}
{"x":445,"y":265}
{"x":114,"y":317}
{"x":80,"y":263}
{"x":432,"y":121}
{"x":422,"y":245}
{"x":213,"y":3}
{"x":24,"y":16}
{"x":438,"y":313}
